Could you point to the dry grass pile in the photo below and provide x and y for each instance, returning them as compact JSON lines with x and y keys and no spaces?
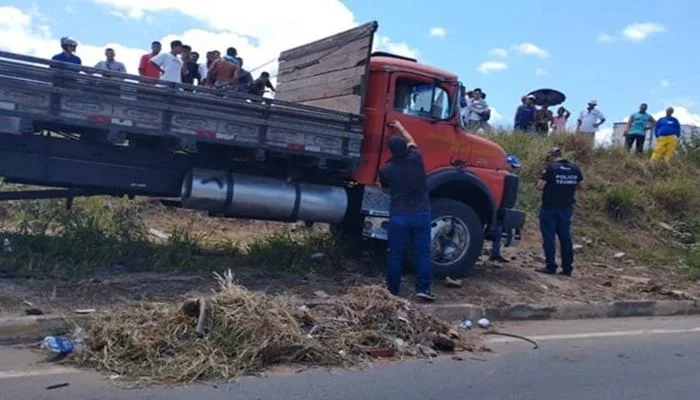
{"x":243,"y":332}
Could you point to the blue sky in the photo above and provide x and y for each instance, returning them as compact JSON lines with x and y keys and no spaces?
{"x":614,"y":52}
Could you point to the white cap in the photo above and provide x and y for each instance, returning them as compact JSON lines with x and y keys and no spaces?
{"x":593,"y":102}
{"x":531,"y":96}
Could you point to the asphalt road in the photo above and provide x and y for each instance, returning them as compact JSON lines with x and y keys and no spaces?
{"x":639,"y":359}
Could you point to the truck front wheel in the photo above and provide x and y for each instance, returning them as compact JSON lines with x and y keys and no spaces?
{"x":457,"y":237}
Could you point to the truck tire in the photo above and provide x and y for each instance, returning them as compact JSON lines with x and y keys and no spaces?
{"x":457,"y":238}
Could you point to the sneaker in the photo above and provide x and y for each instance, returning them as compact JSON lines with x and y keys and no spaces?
{"x":546,"y":271}
{"x":499,"y":259}
{"x":565,"y":273}
{"x":427,"y":296}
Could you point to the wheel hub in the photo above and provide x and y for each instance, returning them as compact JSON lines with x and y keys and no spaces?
{"x":449,"y":239}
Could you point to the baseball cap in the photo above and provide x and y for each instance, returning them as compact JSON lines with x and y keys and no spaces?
{"x":513,"y":160}
{"x":554,"y":152}
{"x":531,"y":96}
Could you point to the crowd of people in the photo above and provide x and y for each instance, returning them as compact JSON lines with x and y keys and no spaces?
{"x":182,"y":65}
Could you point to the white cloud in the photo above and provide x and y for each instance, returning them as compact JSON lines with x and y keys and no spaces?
{"x":530,"y":49}
{"x":69,"y":9}
{"x":498,"y":52}
{"x":605,"y":38}
{"x":437,"y":32}
{"x":541,"y":71}
{"x":495,"y":115}
{"x":638,"y":32}
{"x":664,"y":83}
{"x":401,"y":48}
{"x":684,"y":115}
{"x":258,"y":40}
{"x":491,"y":66}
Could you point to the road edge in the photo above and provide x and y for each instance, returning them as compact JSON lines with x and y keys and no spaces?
{"x":28,"y":329}
{"x":565,"y":311}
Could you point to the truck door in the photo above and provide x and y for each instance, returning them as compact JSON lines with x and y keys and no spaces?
{"x":424,"y":107}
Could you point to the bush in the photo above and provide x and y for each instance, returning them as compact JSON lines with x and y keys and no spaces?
{"x":676,"y":196}
{"x":620,"y":203}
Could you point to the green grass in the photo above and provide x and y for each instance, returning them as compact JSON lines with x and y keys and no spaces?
{"x":624,"y":198}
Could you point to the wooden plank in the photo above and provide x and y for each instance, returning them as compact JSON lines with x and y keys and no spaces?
{"x":324,"y":79}
{"x":338,"y":62}
{"x":349,"y":103}
{"x":321,"y":91}
{"x":330,"y":42}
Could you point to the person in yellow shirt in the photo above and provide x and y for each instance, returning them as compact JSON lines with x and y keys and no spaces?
{"x":667,"y":132}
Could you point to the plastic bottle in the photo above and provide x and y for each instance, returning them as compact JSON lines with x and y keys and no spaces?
{"x":65,"y":344}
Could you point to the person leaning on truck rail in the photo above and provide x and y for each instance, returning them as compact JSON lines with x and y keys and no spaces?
{"x":146,"y":68}
{"x":69,"y":47}
{"x":409,"y":214}
{"x":667,"y":132}
{"x":558,"y":183}
{"x":169,"y":64}
{"x":110,"y":64}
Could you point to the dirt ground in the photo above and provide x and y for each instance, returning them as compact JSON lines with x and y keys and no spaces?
{"x":490,"y":285}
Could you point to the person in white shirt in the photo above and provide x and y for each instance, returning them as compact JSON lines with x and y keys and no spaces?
{"x":479,"y":112}
{"x":169,"y":64}
{"x":589,"y":120}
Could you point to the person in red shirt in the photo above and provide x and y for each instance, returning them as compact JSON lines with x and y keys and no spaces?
{"x":146,"y":67}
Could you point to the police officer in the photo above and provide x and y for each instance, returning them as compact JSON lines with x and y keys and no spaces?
{"x":558,"y":184}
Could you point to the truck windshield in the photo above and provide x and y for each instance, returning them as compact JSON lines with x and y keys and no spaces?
{"x":422,"y":99}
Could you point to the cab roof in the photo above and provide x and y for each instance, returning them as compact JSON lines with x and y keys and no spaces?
{"x":380,"y":61}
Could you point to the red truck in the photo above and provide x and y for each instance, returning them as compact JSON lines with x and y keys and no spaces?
{"x":312,"y":154}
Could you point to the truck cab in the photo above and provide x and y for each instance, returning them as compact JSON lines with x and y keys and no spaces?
{"x":471,"y":190}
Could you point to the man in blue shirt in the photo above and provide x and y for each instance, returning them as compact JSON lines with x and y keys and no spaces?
{"x":68,"y":55}
{"x":636,"y":130}
{"x":667,"y":132}
{"x":525,"y":115}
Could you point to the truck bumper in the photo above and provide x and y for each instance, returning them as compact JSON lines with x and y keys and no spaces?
{"x":509,"y":226}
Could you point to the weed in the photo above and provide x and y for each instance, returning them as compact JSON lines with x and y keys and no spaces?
{"x":676,"y":196}
{"x":620,"y":203}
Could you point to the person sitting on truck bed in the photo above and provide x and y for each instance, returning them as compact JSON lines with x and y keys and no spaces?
{"x":169,"y":64}
{"x":258,"y":87}
{"x":223,"y":72}
{"x":68,"y":54}
{"x":409,"y":213}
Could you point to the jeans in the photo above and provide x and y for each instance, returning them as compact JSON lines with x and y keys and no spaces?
{"x":496,"y":244}
{"x":557,"y":222}
{"x":637,"y":141}
{"x":416,"y":227}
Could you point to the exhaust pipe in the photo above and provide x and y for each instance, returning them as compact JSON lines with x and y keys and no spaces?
{"x":246,"y":196}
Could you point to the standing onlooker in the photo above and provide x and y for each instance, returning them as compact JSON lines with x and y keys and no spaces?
{"x":169,"y":64}
{"x":667,"y":132}
{"x":404,"y":176}
{"x":146,"y":68}
{"x":543,"y":117}
{"x":559,"y":122}
{"x":110,"y":64}
{"x":636,"y":129}
{"x":465,"y":102}
{"x":68,"y":54}
{"x":589,"y":120}
{"x":513,"y":164}
{"x":232,"y":55}
{"x":222,"y":73}
{"x":201,"y":68}
{"x":558,"y":184}
{"x":478,"y":112}
{"x":190,"y":69}
{"x":245,"y":79}
{"x":258,"y":87}
{"x":525,"y":114}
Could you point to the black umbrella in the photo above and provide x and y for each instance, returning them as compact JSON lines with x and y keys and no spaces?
{"x":550,"y":96}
